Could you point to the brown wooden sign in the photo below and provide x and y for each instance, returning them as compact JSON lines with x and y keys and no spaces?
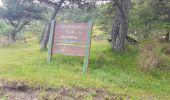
{"x":70,"y":39}
{"x":76,"y":33}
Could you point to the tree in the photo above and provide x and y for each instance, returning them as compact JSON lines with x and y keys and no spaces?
{"x":19,"y":13}
{"x":120,"y":26}
{"x":106,"y":13}
{"x":149,"y":16}
{"x":162,"y":10}
{"x":142,"y":19}
{"x":56,"y":6}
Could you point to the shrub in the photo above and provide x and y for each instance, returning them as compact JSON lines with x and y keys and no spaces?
{"x":148,"y":59}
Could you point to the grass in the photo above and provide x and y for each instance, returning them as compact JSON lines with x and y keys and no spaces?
{"x":108,"y":70}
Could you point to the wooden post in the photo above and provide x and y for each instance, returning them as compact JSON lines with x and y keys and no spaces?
{"x":51,"y":40}
{"x":88,"y":45}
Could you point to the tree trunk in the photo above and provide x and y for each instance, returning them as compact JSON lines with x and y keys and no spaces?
{"x":45,"y":38}
{"x":116,"y":28}
{"x":120,"y":29}
{"x":44,"y":32}
{"x":17,"y":29}
{"x":120,"y":40}
{"x":13,"y":36}
{"x":167,"y":36}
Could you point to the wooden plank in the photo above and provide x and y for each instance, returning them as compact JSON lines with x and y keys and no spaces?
{"x":74,"y":33}
{"x":50,"y":40}
{"x":72,"y":50}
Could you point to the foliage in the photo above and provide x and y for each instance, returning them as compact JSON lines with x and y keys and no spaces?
{"x":4,"y":28}
{"x":149,"y":16}
{"x":14,"y":10}
{"x":76,"y":15}
{"x":102,"y":16}
{"x":142,"y":19}
{"x":162,"y":9}
{"x":20,"y":13}
{"x":106,"y":14}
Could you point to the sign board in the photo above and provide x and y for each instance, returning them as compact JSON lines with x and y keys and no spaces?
{"x":72,"y":39}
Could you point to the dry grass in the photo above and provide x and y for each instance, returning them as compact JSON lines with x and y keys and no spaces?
{"x":148,"y":59}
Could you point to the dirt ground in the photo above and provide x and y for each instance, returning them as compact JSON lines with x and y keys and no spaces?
{"x":20,"y":91}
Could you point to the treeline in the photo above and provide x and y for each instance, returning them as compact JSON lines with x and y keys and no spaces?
{"x":117,"y":18}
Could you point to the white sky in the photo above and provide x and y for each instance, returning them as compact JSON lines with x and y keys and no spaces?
{"x":0,"y":2}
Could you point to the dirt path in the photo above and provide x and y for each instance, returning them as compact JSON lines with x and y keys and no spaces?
{"x":20,"y":91}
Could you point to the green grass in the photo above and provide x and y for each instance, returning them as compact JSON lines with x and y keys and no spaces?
{"x":112,"y":71}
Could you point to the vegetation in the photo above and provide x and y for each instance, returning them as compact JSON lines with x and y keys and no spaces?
{"x":20,"y":13}
{"x":129,"y":52}
{"x":116,"y":72}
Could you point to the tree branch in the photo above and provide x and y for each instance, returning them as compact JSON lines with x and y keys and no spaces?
{"x":12,"y":23}
{"x":56,"y":8}
{"x":19,"y":27}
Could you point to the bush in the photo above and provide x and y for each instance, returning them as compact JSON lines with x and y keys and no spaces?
{"x":148,"y":59}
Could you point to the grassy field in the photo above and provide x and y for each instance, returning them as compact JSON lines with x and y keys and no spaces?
{"x":108,"y":70}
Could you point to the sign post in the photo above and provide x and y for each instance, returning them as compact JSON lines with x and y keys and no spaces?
{"x":88,"y":45}
{"x":72,"y":39}
{"x":50,"y":40}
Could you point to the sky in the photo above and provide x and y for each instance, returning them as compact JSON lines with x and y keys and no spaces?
{"x":0,"y":2}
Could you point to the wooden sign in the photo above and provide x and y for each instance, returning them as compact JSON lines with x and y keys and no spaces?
{"x":72,"y":39}
{"x":76,"y":33}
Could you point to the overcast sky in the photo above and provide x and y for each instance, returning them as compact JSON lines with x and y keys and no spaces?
{"x":0,"y":2}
